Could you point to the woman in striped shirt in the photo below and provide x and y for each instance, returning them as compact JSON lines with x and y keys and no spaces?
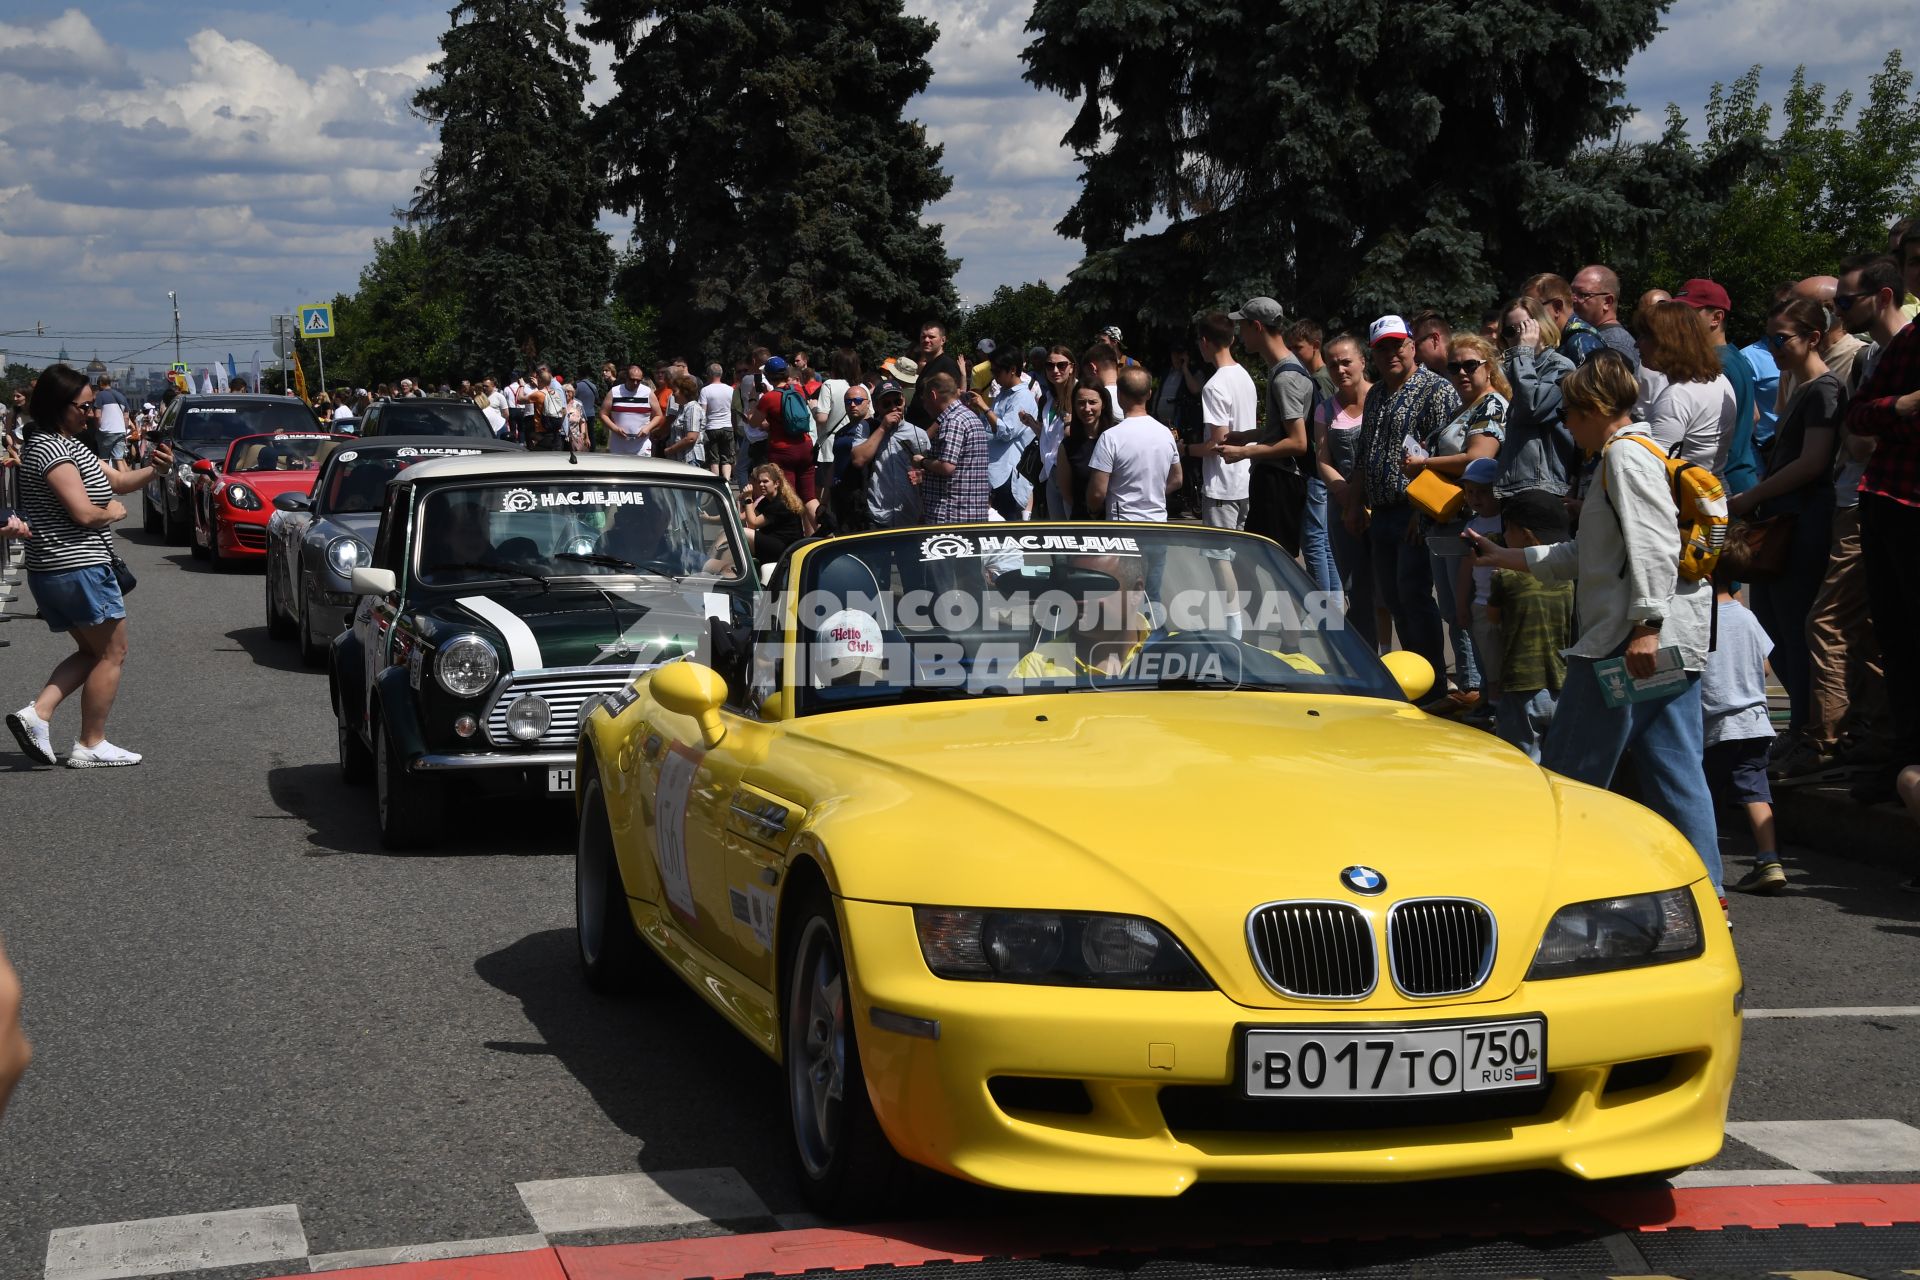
{"x":70,"y":502}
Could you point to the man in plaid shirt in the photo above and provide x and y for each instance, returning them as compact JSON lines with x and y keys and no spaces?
{"x":955,"y":489}
{"x":1887,"y":409}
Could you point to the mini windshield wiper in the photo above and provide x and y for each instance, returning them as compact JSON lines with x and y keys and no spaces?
{"x":488,"y":566}
{"x":611,"y":562}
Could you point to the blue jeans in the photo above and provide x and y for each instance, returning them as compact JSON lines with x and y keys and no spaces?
{"x":1668,"y":737}
{"x":1403,"y":582}
{"x":1316,"y":540}
{"x":1522,"y":718}
{"x":1465,"y":659}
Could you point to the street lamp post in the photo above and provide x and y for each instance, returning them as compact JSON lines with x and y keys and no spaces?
{"x":174,"y":299}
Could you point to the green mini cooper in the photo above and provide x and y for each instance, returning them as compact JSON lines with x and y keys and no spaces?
{"x":506,"y":596}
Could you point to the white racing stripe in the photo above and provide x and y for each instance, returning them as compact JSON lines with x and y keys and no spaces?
{"x":190,"y":1242}
{"x":1858,"y":1011}
{"x":523,"y":650}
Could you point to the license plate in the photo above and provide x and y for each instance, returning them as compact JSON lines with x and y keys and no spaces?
{"x":1394,"y":1062}
{"x":559,"y":780}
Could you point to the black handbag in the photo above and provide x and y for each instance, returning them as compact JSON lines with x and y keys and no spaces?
{"x":123,"y":574}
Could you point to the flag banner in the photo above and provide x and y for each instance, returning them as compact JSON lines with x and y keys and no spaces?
{"x":299,"y":379}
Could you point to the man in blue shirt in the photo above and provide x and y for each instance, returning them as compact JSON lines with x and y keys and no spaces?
{"x":1743,"y":463}
{"x":1011,"y":418}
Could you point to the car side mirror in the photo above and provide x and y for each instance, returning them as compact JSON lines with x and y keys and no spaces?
{"x":293,"y":502}
{"x":690,"y":689}
{"x":1413,"y":673}
{"x":374,"y":582}
{"x":203,"y":467}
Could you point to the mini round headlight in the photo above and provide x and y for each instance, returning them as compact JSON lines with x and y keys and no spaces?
{"x":528,"y":717}
{"x":466,"y":667}
{"x":347,"y":553}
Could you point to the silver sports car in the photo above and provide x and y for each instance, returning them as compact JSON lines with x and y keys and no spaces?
{"x":314,"y":542}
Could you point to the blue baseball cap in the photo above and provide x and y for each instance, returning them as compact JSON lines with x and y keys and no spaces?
{"x":1482,"y":471}
{"x":775,"y":365}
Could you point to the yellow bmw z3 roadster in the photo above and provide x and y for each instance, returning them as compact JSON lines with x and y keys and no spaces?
{"x":1101,"y":858}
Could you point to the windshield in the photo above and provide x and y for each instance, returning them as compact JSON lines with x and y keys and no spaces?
{"x":401,"y":419}
{"x":279,"y":453}
{"x":539,"y":528}
{"x":224,"y":422}
{"x":988,"y":611}
{"x":357,"y":480}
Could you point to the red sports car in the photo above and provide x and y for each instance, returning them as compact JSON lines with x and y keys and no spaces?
{"x":233,"y":499}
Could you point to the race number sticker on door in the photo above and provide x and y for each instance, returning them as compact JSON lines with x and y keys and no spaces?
{"x":677,"y":770}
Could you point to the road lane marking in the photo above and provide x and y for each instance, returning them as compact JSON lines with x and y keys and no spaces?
{"x":188,"y":1242}
{"x":1746,"y":1178}
{"x":1835,"y":1146}
{"x":674,"y":1198}
{"x":1857,"y":1011}
{"x":424,"y":1252}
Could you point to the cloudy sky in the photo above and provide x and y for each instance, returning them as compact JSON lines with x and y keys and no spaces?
{"x":247,"y":159}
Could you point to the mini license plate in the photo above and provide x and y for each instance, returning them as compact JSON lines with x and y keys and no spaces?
{"x":1394,"y":1062}
{"x":559,"y":780}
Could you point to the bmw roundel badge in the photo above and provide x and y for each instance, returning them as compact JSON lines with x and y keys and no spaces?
{"x":1363,"y":880}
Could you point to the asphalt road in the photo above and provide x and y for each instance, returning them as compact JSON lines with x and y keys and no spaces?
{"x":238,"y":1000}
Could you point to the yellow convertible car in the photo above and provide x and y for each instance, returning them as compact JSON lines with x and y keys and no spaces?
{"x":1100,"y":858}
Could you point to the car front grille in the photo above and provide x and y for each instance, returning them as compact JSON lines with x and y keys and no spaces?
{"x":1193,"y":1111}
{"x":250,"y":535}
{"x":565,"y":689}
{"x":1439,"y":946}
{"x":1315,"y":950}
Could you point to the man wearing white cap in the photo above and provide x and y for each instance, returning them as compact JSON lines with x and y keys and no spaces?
{"x":1408,"y":403}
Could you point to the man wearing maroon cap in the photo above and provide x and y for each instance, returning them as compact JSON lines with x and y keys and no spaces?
{"x":1886,"y":409}
{"x":1711,"y":301}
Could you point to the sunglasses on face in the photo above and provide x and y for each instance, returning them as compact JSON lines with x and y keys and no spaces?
{"x":1778,"y":341}
{"x":1463,"y":368}
{"x":1059,"y":364}
{"x":856,"y":399}
{"x":1844,"y":301}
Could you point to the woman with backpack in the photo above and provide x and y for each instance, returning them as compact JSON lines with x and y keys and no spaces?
{"x":788,"y":419}
{"x":1635,"y":605}
{"x":1797,"y":491}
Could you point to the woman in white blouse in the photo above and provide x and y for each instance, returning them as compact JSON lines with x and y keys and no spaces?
{"x":1695,"y":410}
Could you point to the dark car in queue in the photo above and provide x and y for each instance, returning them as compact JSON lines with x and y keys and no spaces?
{"x":315,"y":542}
{"x":509,"y":595}
{"x":233,"y":497}
{"x":426,"y":416}
{"x":201,"y":428}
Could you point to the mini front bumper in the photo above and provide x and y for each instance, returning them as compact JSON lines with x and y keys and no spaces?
{"x":445,"y":763}
{"x":1124,"y":1047}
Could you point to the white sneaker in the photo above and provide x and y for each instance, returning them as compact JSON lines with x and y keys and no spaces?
{"x":103,"y":755}
{"x":33,"y":734}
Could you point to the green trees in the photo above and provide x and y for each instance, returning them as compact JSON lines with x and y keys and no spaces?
{"x":1767,"y":209}
{"x":509,"y":207}
{"x":1020,"y":316}
{"x":1347,"y":157}
{"x":402,"y":322}
{"x":776,"y":188}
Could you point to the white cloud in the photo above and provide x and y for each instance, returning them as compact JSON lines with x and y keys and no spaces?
{"x":67,"y":48}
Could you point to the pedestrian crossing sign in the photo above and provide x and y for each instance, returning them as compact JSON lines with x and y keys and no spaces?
{"x":316,"y":321}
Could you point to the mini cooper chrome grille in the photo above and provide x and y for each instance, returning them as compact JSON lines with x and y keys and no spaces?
{"x":565,"y":690}
{"x":1315,"y":950}
{"x":1439,"y":946}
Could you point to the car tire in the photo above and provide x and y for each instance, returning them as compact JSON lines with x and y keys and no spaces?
{"x":174,"y":529}
{"x":356,"y":762}
{"x":278,"y":625}
{"x":408,"y":807}
{"x":844,"y":1164}
{"x":611,"y":952}
{"x":312,"y":652}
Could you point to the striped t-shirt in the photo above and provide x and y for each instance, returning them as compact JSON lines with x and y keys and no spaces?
{"x":58,"y":543}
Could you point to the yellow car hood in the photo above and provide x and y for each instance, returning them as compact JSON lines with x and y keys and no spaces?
{"x":1193,"y":808}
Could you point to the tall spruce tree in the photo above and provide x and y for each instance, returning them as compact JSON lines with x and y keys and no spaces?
{"x":510,"y":204}
{"x":1349,"y":156}
{"x":776,"y":187}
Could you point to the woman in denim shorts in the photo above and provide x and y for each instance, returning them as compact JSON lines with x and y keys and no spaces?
{"x":69,"y":502}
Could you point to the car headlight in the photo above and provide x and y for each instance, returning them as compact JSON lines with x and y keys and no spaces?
{"x":466,"y":667}
{"x":242,"y":497}
{"x":1054,"y":948}
{"x":347,"y":553}
{"x":1619,"y":933}
{"x":528,"y":717}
